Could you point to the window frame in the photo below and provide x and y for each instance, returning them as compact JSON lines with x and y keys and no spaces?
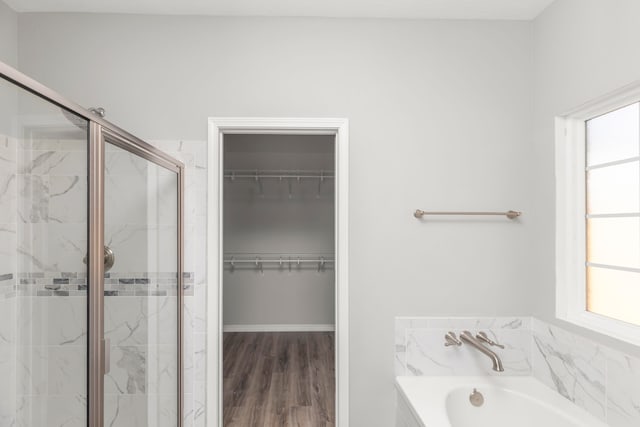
{"x":570,"y":245}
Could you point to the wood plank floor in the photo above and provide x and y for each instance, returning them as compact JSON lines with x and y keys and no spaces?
{"x":279,"y":379}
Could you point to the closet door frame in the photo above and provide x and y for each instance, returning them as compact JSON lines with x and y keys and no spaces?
{"x":218,"y":128}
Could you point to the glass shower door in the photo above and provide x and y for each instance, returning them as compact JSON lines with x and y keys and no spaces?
{"x":141,"y":289}
{"x":43,"y":280}
{"x":90,"y":268}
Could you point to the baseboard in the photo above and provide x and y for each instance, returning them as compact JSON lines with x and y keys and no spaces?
{"x":279,"y":328}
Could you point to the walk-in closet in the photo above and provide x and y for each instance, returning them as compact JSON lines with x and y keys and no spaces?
{"x":279,"y":280}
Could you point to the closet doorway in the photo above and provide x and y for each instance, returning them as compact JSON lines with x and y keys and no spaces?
{"x":277,"y":252}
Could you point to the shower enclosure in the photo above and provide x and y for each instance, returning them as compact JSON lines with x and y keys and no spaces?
{"x":90,"y":268}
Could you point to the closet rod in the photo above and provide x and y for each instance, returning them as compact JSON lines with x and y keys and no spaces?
{"x":279,"y":174}
{"x":278,"y":261}
{"x":322,"y":263}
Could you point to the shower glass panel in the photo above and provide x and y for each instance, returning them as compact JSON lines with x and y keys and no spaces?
{"x":43,"y":279}
{"x":141,"y":290}
{"x":86,"y":341}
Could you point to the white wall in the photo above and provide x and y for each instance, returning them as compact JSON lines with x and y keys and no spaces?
{"x":583,"y":49}
{"x":8,"y":55}
{"x":439,"y":119}
{"x":268,"y":219}
{"x":8,"y":35}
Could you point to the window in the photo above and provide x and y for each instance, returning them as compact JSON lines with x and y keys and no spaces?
{"x":613,"y":214}
{"x":598,"y":215}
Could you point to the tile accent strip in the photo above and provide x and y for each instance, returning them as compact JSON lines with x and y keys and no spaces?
{"x":115,"y":284}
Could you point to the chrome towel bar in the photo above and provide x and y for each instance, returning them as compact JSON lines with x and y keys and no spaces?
{"x":509,"y":214}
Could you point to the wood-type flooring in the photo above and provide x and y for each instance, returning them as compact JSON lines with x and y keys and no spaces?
{"x":277,"y":379}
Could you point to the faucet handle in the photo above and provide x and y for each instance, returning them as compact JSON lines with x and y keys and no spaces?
{"x":482,"y":336}
{"x":451,"y":339}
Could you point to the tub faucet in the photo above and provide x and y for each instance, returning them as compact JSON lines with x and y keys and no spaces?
{"x":468,"y":338}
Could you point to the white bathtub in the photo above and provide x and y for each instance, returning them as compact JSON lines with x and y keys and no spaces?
{"x":508,"y":402}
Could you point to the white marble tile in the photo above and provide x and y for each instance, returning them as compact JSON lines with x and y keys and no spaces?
{"x":199,"y":404}
{"x":427,"y":355}
{"x":8,"y":244}
{"x":200,"y":293}
{"x":125,"y":199}
{"x":401,"y":325}
{"x":623,"y":390}
{"x":129,"y":242}
{"x":195,"y":200}
{"x":54,"y":161}
{"x":163,"y":410}
{"x":571,"y":365}
{"x":23,"y":411}
{"x":162,"y":315}
{"x":8,"y":196}
{"x":162,"y":249}
{"x":119,"y":162}
{"x":188,"y":362}
{"x":194,"y":154}
{"x":121,"y":410}
{"x":188,"y":410}
{"x":67,"y":321}
{"x":8,"y":152}
{"x":126,"y":320}
{"x":128,"y":370}
{"x":32,"y":321}
{"x":33,"y":247}
{"x":68,"y":199}
{"x":32,"y":370}
{"x":200,"y":263}
{"x":67,"y":373}
{"x":162,"y":198}
{"x":33,"y":198}
{"x":422,"y":352}
{"x":7,"y":361}
{"x":66,"y":247}
{"x":200,"y":356}
{"x":52,"y":411}
{"x":162,"y":369}
{"x":68,"y":143}
{"x":8,"y":312}
{"x":66,"y":411}
{"x":190,"y":247}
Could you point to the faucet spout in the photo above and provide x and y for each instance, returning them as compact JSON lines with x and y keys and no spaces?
{"x":468,"y":338}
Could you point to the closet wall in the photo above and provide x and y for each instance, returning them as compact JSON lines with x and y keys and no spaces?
{"x":273,"y":218}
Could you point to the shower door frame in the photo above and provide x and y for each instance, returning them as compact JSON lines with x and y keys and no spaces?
{"x":218,"y":128}
{"x":100,"y":132}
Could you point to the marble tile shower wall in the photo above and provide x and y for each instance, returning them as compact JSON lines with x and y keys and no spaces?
{"x":41,"y":187}
{"x":51,"y":208}
{"x":601,"y":380}
{"x":8,"y":228}
{"x":194,"y":155}
{"x":8,"y":216}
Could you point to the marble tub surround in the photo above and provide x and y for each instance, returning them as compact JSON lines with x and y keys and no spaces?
{"x":603,"y":381}
{"x":420,"y":348}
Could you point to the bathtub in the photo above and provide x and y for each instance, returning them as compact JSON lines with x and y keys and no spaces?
{"x":508,"y":402}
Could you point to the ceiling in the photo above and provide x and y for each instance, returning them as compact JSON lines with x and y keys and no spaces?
{"x":414,"y":9}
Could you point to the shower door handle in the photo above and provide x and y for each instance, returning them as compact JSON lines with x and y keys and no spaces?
{"x":106,"y":347}
{"x":109,"y":258}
